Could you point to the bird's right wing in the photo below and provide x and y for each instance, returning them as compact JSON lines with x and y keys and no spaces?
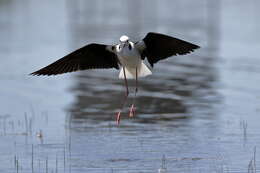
{"x":157,"y":46}
{"x":88,"y":57}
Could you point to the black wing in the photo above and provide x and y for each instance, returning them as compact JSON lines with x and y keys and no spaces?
{"x":158,"y":46}
{"x":88,"y":57}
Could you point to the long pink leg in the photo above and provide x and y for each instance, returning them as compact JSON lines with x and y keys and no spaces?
{"x":125,"y":99}
{"x":132,"y":109}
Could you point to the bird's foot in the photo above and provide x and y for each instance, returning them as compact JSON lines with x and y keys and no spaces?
{"x":132,"y":111}
{"x":118,"y":118}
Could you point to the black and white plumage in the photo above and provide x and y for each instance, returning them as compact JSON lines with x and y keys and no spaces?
{"x":126,"y":55}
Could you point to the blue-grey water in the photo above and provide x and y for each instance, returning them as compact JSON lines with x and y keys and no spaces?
{"x":199,"y":112}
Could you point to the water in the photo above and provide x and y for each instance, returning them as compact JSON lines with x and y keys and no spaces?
{"x":196,"y":113}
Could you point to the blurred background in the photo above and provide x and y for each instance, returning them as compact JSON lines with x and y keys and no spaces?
{"x":196,"y":113}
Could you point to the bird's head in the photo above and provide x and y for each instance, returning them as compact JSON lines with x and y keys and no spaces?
{"x":124,"y":41}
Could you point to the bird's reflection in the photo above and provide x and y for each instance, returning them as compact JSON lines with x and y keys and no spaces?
{"x":99,"y":93}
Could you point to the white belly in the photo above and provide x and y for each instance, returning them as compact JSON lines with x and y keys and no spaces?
{"x":129,"y":59}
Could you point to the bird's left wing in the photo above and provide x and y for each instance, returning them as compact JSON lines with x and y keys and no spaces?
{"x":156,"y":46}
{"x":88,"y":57}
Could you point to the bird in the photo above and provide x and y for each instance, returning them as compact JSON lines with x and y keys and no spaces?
{"x":126,"y":56}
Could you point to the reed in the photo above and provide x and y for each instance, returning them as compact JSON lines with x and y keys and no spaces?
{"x":252,"y":163}
{"x":32,"y":160}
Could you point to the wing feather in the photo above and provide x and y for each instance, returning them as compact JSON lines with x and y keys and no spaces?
{"x":156,"y":46}
{"x":88,"y":57}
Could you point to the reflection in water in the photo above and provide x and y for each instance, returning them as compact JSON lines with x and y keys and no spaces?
{"x":176,"y":116}
{"x":178,"y":86}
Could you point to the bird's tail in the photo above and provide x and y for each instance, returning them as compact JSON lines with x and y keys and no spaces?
{"x":130,"y":73}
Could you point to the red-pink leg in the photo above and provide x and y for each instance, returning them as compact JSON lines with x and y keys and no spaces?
{"x":118,"y":117}
{"x":125,"y":99}
{"x":132,"y":108}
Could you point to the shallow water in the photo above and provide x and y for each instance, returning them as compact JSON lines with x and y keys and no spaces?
{"x":200,"y":112}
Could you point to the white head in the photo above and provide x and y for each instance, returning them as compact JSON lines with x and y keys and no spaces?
{"x":123,"y":39}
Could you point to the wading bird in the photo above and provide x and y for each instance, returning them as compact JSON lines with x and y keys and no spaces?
{"x":126,"y":56}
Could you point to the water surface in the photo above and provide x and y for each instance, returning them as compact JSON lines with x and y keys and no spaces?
{"x":200,"y":111}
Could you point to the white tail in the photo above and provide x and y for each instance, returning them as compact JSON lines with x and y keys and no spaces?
{"x":130,"y":73}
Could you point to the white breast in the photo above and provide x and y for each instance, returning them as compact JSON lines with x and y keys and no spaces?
{"x":130,"y":58}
